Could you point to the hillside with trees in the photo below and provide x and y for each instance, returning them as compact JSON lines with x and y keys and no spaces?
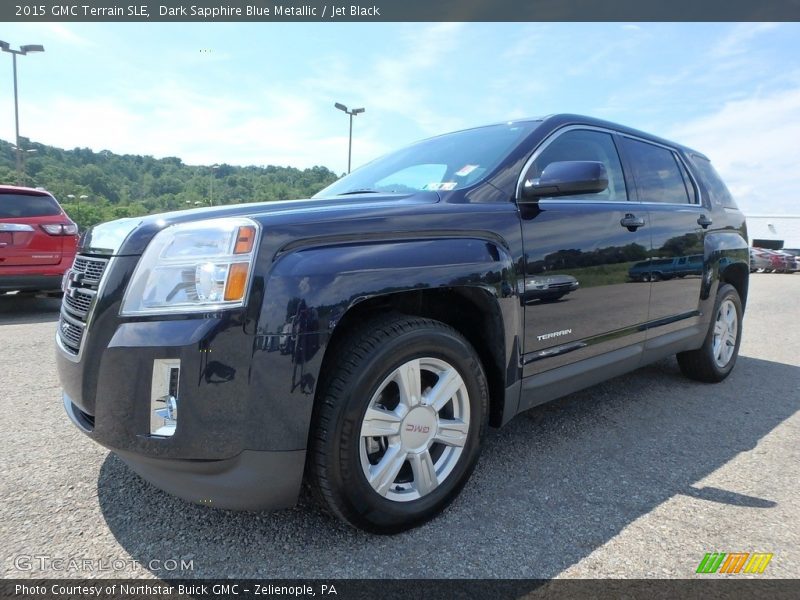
{"x":100,"y":186}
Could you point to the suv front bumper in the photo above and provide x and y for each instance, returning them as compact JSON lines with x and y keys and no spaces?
{"x":252,"y":480}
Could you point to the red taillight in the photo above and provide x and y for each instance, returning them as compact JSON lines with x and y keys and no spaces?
{"x":60,"y":228}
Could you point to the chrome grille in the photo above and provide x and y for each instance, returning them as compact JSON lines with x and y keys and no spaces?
{"x":80,"y":290}
{"x":91,"y":268}
{"x":78,"y":302}
{"x":71,"y":332}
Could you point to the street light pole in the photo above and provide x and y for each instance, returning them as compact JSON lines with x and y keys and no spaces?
{"x":211,"y":185}
{"x":352,"y":113}
{"x":6,"y":47}
{"x":24,"y":153}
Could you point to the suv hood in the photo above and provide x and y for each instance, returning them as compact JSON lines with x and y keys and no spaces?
{"x":130,"y":236}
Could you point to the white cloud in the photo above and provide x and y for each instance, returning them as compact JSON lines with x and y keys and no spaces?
{"x":65,"y":34}
{"x":737,"y":40}
{"x":753,"y":144}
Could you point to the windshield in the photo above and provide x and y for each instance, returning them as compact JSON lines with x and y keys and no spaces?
{"x":445,"y":163}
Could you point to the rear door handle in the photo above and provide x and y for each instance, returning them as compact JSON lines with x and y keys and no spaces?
{"x":631,"y":221}
{"x":704,"y":221}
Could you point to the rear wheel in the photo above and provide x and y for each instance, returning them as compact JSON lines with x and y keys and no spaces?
{"x":398,"y":429}
{"x":715,"y":359}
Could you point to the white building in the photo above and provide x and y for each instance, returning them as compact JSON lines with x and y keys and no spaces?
{"x":774,"y":228}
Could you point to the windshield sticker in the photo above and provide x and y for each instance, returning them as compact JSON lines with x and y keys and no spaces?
{"x":444,"y":186}
{"x":466,"y":170}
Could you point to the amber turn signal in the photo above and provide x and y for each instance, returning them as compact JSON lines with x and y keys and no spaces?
{"x":237,"y":278}
{"x":245,"y":239}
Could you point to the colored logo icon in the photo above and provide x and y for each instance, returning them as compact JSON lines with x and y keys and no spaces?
{"x":734,"y":562}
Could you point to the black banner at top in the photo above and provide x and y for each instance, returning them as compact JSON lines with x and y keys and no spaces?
{"x":398,"y":10}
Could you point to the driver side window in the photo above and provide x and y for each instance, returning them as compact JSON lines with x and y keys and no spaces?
{"x":579,"y":144}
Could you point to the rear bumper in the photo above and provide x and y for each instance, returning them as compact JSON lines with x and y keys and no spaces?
{"x":30,"y":283}
{"x":252,"y":480}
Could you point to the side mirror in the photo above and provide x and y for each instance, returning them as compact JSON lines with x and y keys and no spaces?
{"x":567,"y":178}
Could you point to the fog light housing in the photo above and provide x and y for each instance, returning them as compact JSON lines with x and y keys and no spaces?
{"x":164,"y":397}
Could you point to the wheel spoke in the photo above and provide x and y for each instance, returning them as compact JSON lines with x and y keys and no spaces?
{"x":379,"y":423}
{"x":408,"y":381}
{"x":449,"y":383}
{"x":719,"y":328}
{"x":382,"y":475}
{"x":730,"y":315}
{"x":452,"y":432}
{"x":425,"y":478}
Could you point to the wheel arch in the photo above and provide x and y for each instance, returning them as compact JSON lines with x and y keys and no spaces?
{"x":728,"y":255}
{"x":473,"y":312}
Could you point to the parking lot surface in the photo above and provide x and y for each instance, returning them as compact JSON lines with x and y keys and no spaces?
{"x":637,"y":477}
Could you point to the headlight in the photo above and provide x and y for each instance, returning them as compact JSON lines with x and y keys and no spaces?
{"x":194,"y":267}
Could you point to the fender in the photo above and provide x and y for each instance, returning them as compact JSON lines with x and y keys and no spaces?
{"x":309,"y":291}
{"x":727,"y":258}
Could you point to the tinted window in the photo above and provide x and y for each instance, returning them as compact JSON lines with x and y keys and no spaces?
{"x":585,"y":145}
{"x":717,"y":190}
{"x":657,"y":173}
{"x":27,"y":205}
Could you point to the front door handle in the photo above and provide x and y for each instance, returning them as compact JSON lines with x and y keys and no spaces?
{"x":704,"y":221}
{"x":631,"y":221}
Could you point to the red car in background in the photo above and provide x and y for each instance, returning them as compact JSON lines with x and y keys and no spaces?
{"x":37,"y":240}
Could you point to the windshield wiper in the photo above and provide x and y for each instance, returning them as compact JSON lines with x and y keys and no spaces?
{"x":360,"y":191}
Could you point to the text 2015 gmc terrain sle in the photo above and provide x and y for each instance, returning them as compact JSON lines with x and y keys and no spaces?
{"x":365,"y":338}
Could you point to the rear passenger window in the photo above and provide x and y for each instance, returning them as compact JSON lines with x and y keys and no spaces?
{"x":579,"y":144}
{"x":657,"y":172}
{"x":717,"y":190}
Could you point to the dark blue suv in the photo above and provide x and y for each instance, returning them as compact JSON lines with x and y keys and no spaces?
{"x":365,"y":338}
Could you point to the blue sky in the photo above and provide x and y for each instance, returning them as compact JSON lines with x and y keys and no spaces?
{"x":264,"y":93}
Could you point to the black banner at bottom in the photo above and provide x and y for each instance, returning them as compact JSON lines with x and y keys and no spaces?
{"x":387,"y":589}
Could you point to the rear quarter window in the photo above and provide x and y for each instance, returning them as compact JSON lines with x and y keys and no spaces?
{"x":717,"y":190}
{"x":15,"y":206}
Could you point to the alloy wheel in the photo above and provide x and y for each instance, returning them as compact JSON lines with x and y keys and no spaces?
{"x":414,"y":430}
{"x":726,"y":330}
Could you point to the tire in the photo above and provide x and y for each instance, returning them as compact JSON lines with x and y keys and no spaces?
{"x":366,"y":480}
{"x":715,"y":359}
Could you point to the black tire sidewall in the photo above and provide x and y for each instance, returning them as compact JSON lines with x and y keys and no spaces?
{"x":346,"y":473}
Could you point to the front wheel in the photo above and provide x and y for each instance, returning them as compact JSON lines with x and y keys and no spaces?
{"x":398,"y":425}
{"x":715,"y":359}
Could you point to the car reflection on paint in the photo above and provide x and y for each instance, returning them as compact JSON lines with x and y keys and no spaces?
{"x":548,"y":288}
{"x":666,"y":268}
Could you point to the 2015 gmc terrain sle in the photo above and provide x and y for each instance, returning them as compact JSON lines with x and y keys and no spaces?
{"x":364,"y":339}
